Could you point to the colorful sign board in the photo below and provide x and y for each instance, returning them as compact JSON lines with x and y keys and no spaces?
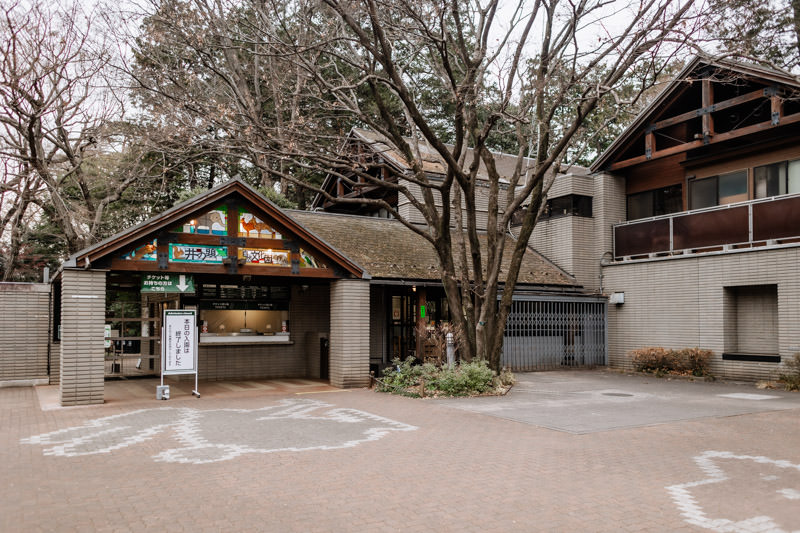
{"x":212,"y":223}
{"x":146,"y":252}
{"x":252,"y":226}
{"x":309,"y":261}
{"x":179,"y":342}
{"x":262,"y":256}
{"x":197,"y":253}
{"x":167,"y":283}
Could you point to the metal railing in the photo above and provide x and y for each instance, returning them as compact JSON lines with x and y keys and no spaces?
{"x":737,"y":225}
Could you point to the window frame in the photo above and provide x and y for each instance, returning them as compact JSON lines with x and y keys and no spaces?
{"x":786,"y":163}
{"x":658,"y":197}
{"x":692,"y":180}
{"x":578,"y":205}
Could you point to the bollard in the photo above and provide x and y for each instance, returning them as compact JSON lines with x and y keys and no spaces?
{"x":451,"y":350}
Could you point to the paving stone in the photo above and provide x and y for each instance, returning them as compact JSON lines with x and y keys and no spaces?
{"x":269,"y":459}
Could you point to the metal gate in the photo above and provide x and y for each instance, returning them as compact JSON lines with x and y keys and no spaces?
{"x":551,"y":332}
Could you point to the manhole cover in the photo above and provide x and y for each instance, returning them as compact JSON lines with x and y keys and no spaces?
{"x":616,"y":394}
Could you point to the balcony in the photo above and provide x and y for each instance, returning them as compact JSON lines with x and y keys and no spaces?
{"x":765,"y":222}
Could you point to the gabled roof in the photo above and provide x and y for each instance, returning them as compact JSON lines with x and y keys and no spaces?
{"x":678,"y":84}
{"x":432,"y":162}
{"x":388,"y":249}
{"x":207,"y":200}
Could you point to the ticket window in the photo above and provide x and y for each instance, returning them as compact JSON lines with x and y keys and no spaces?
{"x":243,"y":322}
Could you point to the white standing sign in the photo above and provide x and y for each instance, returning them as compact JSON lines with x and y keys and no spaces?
{"x":179,"y":344}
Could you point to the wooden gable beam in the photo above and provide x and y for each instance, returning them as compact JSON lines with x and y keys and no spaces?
{"x":718,"y":106}
{"x":718,"y":138}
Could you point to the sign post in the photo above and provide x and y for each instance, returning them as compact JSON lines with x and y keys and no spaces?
{"x":179,"y":345}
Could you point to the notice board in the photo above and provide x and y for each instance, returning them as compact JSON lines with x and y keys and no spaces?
{"x":179,"y":342}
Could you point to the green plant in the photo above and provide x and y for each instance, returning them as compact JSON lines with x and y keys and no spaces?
{"x":401,"y":375}
{"x":791,"y":380}
{"x":413,"y":379}
{"x":463,"y":379}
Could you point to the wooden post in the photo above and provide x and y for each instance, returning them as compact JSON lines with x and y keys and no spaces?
{"x":776,"y":105}
{"x":708,"y":101}
{"x":649,"y":144}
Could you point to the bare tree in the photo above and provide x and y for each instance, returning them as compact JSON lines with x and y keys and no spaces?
{"x":57,"y":115}
{"x":536,"y":71}
{"x":203,"y":71}
{"x":455,"y":78}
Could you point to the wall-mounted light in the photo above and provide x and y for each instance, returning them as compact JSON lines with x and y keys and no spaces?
{"x":413,"y":288}
{"x":617,"y":298}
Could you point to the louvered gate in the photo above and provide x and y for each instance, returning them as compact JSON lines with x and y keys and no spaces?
{"x":551,"y":332}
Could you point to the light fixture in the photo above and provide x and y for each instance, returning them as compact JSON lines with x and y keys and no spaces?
{"x":413,"y":288}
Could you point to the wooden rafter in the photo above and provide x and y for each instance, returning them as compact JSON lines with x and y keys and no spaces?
{"x":709,"y":136}
{"x":719,"y":137}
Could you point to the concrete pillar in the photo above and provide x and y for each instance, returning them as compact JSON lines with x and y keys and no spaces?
{"x":83,"y":313}
{"x":349,"y":337}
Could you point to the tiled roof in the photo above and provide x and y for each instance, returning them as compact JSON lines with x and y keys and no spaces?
{"x":432,"y":162}
{"x":388,"y":249}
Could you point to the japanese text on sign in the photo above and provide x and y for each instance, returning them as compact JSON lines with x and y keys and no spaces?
{"x":180,"y":342}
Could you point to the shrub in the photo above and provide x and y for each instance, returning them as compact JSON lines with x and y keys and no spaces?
{"x":694,"y":360}
{"x":653,"y":359}
{"x":661,"y":360}
{"x":464,"y":379}
{"x":402,"y":375}
{"x":791,"y":380}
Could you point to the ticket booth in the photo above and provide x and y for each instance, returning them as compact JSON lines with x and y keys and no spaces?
{"x":265,"y":289}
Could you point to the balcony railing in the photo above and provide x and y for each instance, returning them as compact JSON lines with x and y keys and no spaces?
{"x":740,"y":225}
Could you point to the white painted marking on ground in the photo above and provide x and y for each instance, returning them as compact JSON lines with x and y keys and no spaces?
{"x":747,"y":396}
{"x":222,"y":434}
{"x":694,"y":513}
{"x":790,"y":494}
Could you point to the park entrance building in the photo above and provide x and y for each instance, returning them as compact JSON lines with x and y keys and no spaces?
{"x":269,"y":295}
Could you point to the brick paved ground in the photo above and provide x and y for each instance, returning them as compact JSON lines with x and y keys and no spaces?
{"x":457,"y":471}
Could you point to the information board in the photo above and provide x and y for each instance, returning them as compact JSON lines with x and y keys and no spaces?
{"x":179,"y":342}
{"x":180,"y":283}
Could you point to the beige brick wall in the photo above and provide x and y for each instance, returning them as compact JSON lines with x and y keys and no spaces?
{"x":83,"y":311}
{"x":349,"y":336}
{"x":578,"y":244}
{"x":683,"y":302}
{"x":609,"y":203}
{"x":24,"y":332}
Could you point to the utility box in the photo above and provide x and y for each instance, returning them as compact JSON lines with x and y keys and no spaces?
{"x":162,"y":392}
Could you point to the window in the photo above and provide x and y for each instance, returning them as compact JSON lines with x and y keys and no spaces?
{"x":776,"y":179}
{"x":750,"y":316}
{"x":571,"y":204}
{"x":718,"y":190}
{"x":655,"y":202}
